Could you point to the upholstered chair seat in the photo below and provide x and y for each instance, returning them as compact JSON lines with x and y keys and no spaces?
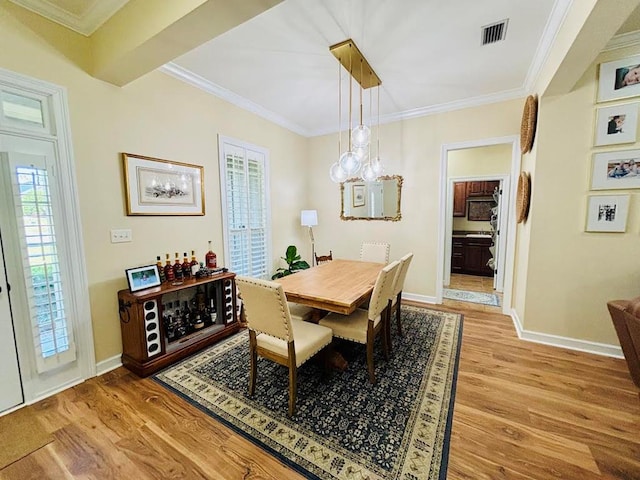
{"x":274,"y":335}
{"x":362,"y":326}
{"x":300,"y":312}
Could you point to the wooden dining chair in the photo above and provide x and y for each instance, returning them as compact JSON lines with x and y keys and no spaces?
{"x":323,"y":258}
{"x":362,"y":326}
{"x":274,"y":335}
{"x":398,"y":285}
{"x":375,"y":252}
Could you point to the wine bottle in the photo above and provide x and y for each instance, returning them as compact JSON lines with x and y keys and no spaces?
{"x":168,"y":271}
{"x":210,"y":258}
{"x":177,"y":269}
{"x":160,"y":269}
{"x":194,"y":263}
{"x":186,"y":266}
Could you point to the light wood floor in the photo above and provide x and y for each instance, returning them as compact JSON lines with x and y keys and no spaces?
{"x":522,"y":411}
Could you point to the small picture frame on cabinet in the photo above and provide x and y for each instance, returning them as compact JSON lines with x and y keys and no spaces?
{"x":141,"y":278}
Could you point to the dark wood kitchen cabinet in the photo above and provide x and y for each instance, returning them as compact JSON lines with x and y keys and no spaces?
{"x":482,"y":189}
{"x":470,"y":255}
{"x":460,"y":199}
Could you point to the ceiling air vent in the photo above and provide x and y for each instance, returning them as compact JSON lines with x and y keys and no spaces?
{"x":495,"y":32}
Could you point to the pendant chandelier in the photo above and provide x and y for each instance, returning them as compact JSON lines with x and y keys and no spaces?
{"x":358,"y":151}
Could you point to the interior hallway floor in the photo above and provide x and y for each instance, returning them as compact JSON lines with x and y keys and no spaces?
{"x":472,"y":283}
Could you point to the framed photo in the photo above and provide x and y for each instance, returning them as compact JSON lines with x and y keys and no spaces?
{"x":140,"y":278}
{"x":162,"y":187}
{"x":607,"y":213}
{"x":616,"y":124}
{"x":619,"y":79}
{"x":616,"y":170}
{"x":358,"y":195}
{"x":480,"y":210}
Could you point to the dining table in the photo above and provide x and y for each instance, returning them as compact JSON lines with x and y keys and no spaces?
{"x":338,"y":286}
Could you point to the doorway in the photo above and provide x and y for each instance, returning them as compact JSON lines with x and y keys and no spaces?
{"x":476,"y":234}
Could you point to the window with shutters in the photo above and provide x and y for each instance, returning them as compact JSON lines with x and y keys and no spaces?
{"x":245,"y":203}
{"x":34,"y":214}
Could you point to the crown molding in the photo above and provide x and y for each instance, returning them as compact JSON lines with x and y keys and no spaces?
{"x":199,"y":82}
{"x":631,"y":39}
{"x":551,"y":29}
{"x":85,"y":24}
{"x":202,"y":83}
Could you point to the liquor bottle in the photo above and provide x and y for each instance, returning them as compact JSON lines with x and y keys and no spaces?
{"x":210,"y":258}
{"x":177,"y":269}
{"x":160,"y":269}
{"x":168,"y":271}
{"x":194,"y":263}
{"x":186,"y":267}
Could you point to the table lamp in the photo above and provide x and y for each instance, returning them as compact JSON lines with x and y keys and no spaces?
{"x":309,"y":218}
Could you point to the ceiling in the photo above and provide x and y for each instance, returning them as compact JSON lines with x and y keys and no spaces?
{"x":427,"y":53}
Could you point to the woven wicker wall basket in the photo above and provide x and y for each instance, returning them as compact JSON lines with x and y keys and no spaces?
{"x":522,"y":200}
{"x":528,"y":124}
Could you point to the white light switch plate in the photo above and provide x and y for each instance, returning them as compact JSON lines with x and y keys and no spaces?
{"x":121,"y":235}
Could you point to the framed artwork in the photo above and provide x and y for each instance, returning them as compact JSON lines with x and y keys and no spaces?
{"x":358,"y":195}
{"x":616,"y":170}
{"x":480,"y":210}
{"x":140,"y":278}
{"x":619,"y":79}
{"x":607,"y":213}
{"x":162,"y":187}
{"x":616,"y":124}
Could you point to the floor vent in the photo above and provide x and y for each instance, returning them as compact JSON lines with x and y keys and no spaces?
{"x":495,"y":32}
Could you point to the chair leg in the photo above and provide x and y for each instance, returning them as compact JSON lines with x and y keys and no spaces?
{"x":398,"y":313}
{"x":370,"y":340}
{"x":253,"y":360}
{"x":293,"y":378}
{"x":386,"y":331}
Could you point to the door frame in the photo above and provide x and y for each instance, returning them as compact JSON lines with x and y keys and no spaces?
{"x":516,"y":161}
{"x":36,"y":388}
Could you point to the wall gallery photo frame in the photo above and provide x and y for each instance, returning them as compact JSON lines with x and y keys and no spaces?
{"x":619,"y":79}
{"x":607,"y":213}
{"x":358,"y":195}
{"x":161,"y":187}
{"x":616,"y":170}
{"x":616,"y":124}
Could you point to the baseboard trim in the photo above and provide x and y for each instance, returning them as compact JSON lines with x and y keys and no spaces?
{"x":596,"y":348}
{"x":109,"y":364}
{"x":419,"y":298}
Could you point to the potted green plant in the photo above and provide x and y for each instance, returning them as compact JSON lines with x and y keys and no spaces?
{"x":294,"y":263}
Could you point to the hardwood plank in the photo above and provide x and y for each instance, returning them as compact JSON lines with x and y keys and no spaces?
{"x":523,"y":412}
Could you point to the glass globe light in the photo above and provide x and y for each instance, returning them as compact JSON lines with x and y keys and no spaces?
{"x":360,"y":136}
{"x":376,"y":165}
{"x":368,"y":175}
{"x":350,"y":162}
{"x":337,"y":173}
{"x":361,"y":152}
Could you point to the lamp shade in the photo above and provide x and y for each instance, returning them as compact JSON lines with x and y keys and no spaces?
{"x":309,"y":218}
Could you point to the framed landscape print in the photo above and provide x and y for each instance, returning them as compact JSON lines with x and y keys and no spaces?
{"x":619,"y":79}
{"x":616,"y":170}
{"x":162,"y":187}
{"x":607,"y":213}
{"x":616,"y":124}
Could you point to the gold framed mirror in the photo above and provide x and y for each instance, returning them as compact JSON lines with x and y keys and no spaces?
{"x":376,"y":200}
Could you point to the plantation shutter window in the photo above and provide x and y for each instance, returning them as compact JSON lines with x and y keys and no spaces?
{"x":243,"y":172}
{"x":33,"y":201}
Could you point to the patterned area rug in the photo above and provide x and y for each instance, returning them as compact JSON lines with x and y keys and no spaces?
{"x":344,"y":427}
{"x":473,"y":297}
